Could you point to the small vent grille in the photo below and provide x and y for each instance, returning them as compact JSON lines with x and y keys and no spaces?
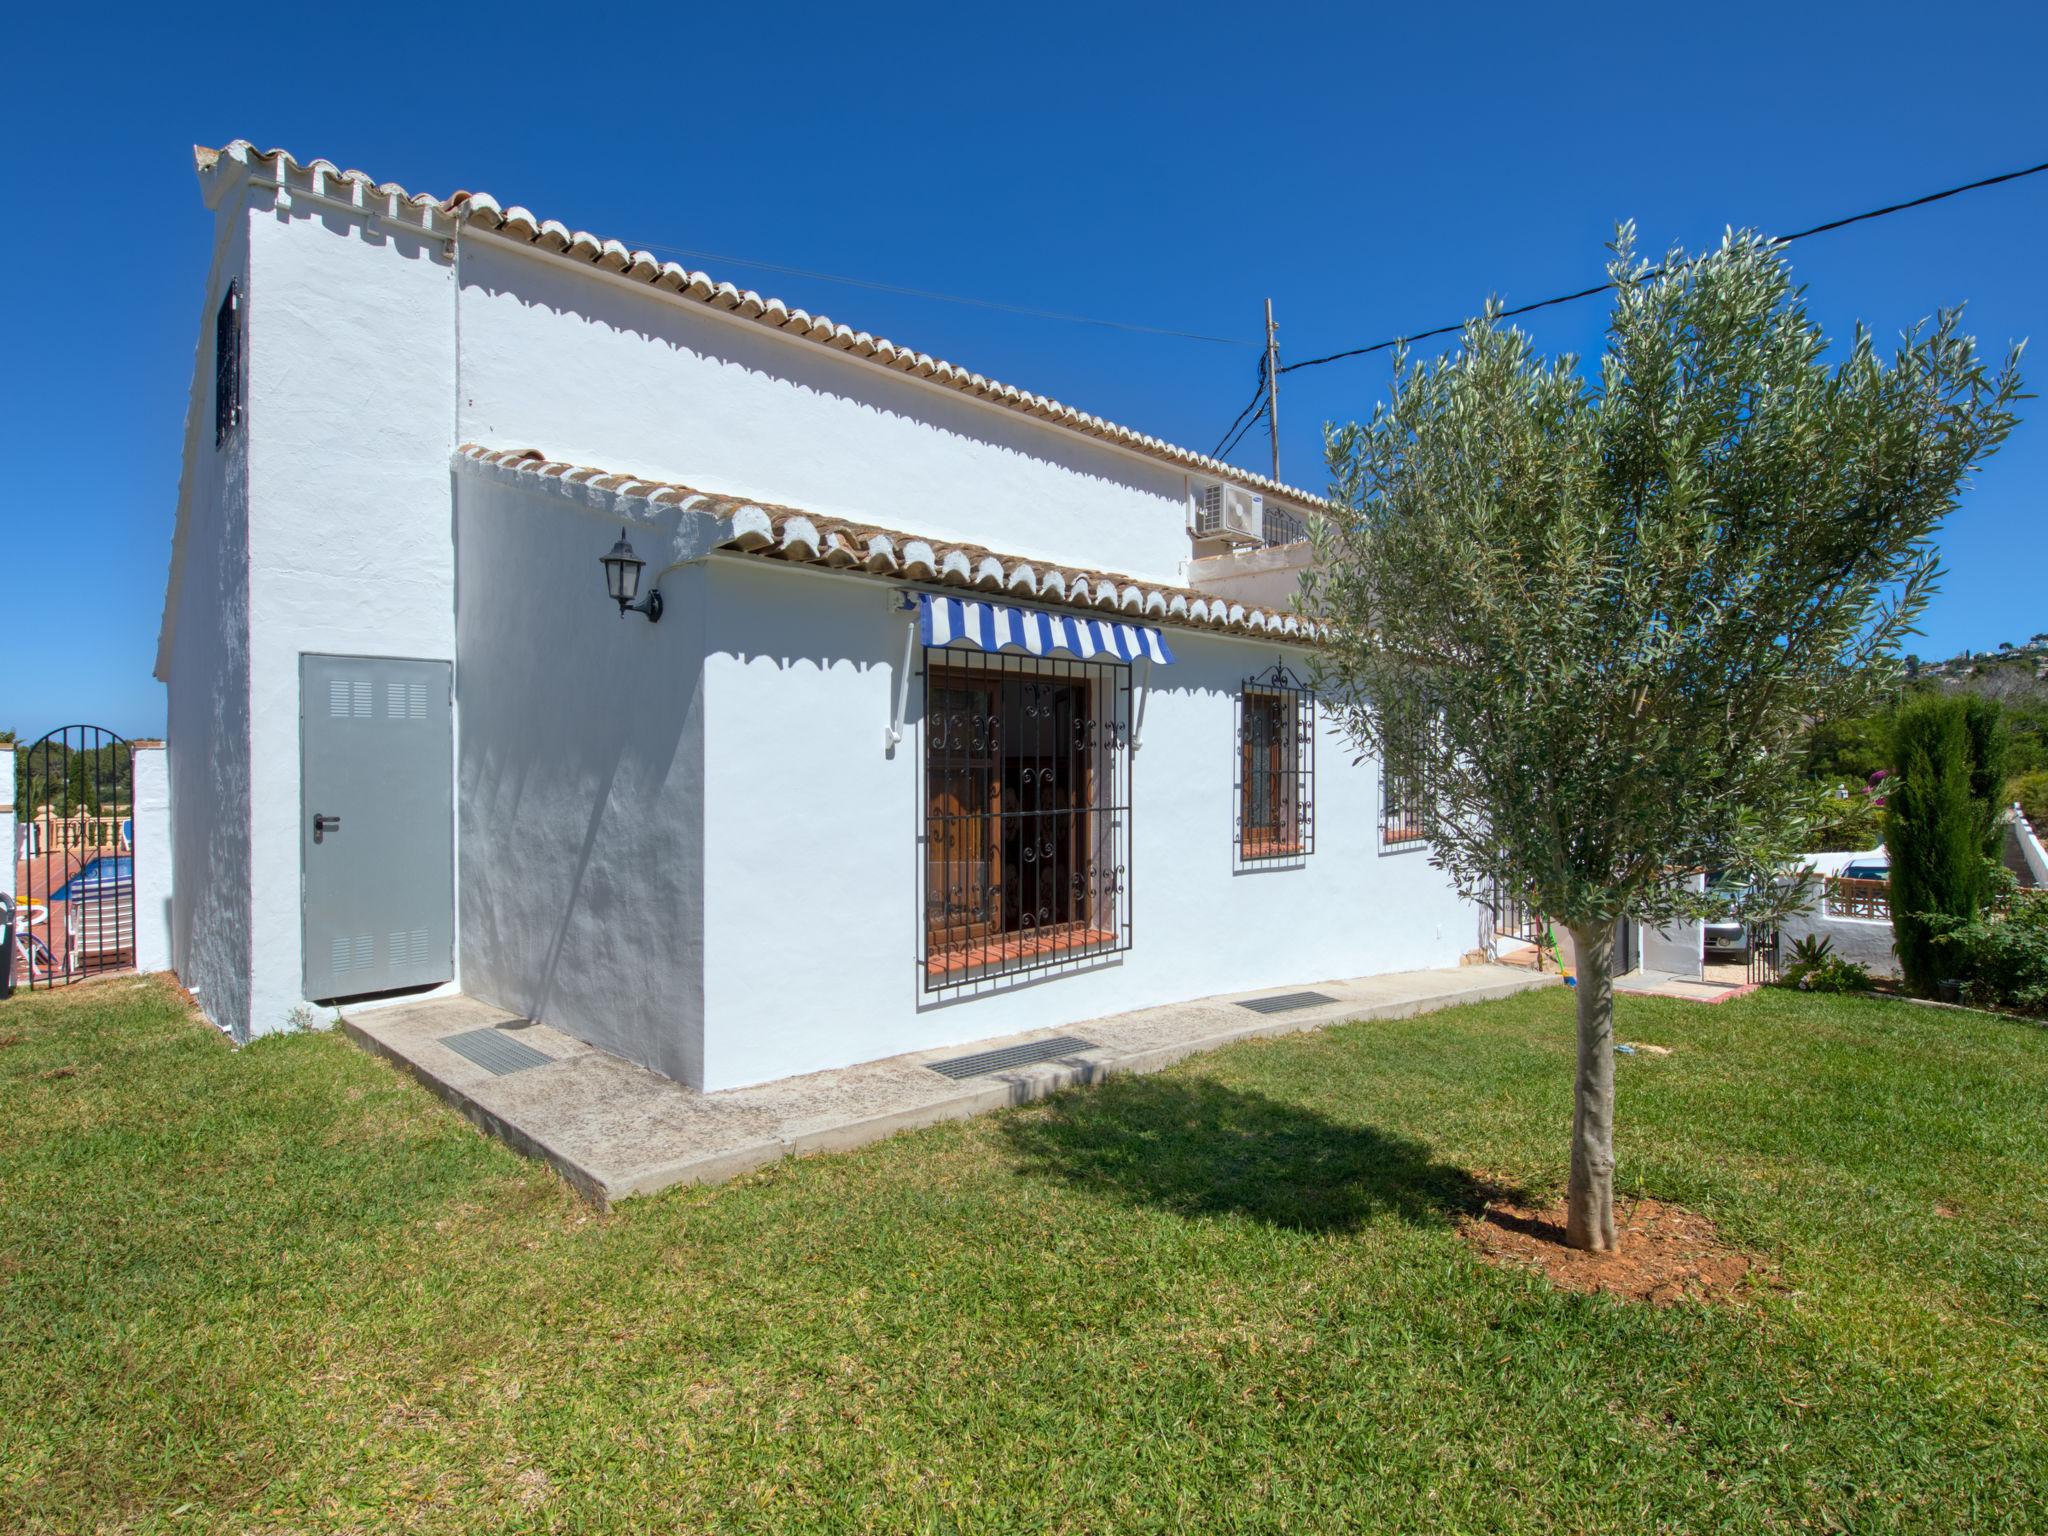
{"x":1285,"y":1002}
{"x":405,"y":701}
{"x":348,"y":700}
{"x":1010,"y":1056}
{"x":409,"y":948}
{"x":496,"y":1052}
{"x":352,"y":954}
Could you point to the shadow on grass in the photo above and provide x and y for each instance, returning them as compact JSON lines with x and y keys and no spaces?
{"x":1198,"y":1148}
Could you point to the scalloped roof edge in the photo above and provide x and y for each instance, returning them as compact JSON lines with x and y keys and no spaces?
{"x":776,"y":532}
{"x":482,"y":211}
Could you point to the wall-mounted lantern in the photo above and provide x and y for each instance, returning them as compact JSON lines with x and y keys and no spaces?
{"x":622,"y":570}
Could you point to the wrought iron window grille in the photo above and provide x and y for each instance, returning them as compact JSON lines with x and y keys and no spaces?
{"x":1025,"y":819}
{"x":1276,"y":768}
{"x":1404,"y":803}
{"x":227,"y":366}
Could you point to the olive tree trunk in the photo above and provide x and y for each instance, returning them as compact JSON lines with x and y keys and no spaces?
{"x":1589,"y":1203}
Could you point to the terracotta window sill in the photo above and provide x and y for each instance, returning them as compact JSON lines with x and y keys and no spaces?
{"x":1001,"y":952}
{"x":1256,"y":845}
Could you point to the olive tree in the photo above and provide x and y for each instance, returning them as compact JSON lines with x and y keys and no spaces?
{"x":1588,"y":621}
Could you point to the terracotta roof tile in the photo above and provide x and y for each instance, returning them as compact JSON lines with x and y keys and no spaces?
{"x":480,"y":210}
{"x":776,"y":532}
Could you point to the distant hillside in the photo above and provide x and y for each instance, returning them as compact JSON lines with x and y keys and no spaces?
{"x":2009,"y":672}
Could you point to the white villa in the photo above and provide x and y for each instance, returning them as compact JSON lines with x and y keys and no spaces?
{"x":932,"y":710}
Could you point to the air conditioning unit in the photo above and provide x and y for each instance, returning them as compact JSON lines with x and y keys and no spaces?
{"x":1228,"y":512}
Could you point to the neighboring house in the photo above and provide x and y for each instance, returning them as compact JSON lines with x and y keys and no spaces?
{"x":941,"y":733}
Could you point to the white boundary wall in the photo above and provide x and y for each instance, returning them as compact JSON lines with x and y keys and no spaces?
{"x":1865,"y":940}
{"x":151,"y":856}
{"x":1679,"y":950}
{"x":2030,"y":847}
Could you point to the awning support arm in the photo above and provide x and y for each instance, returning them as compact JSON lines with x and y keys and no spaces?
{"x":1144,"y":679}
{"x":904,"y":603}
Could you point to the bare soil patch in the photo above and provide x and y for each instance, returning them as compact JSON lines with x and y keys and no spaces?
{"x":1667,"y":1254}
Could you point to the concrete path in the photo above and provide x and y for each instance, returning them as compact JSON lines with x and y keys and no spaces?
{"x":613,"y":1129}
{"x":1689,"y":989}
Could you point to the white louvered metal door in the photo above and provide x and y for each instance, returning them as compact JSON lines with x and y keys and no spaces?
{"x":376,"y":831}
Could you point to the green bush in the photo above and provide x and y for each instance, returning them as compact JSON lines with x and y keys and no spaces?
{"x":1815,"y":967}
{"x":2031,"y":791}
{"x":1940,"y":821}
{"x":1843,"y":818}
{"x":2002,"y":961}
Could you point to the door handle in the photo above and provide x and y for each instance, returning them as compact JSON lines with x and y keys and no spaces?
{"x":322,"y":825}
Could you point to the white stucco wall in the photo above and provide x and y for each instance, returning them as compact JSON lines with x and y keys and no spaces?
{"x":809,"y":851}
{"x":596,"y":370}
{"x":581,"y":780}
{"x":205,"y":669}
{"x":351,"y":384}
{"x":1867,"y":941}
{"x":1259,"y":578}
{"x":1679,"y":950}
{"x":152,"y":857}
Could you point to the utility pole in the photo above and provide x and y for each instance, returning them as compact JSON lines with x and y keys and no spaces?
{"x":1273,"y":386}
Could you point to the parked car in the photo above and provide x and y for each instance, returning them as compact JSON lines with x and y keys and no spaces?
{"x":1865,"y":869}
{"x":1727,"y":933}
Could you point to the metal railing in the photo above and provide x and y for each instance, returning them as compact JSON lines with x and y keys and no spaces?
{"x":1284,"y":527}
{"x":1857,"y":898}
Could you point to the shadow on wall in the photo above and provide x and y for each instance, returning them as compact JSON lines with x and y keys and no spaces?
{"x":580,"y":779}
{"x":767,"y":357}
{"x":1198,"y":1148}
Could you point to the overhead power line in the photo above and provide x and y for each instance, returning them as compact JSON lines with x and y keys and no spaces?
{"x":1226,"y":442}
{"x":1587,"y":293}
{"x":946,"y":298}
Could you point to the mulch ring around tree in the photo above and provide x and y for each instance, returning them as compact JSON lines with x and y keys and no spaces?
{"x":1667,"y":1254}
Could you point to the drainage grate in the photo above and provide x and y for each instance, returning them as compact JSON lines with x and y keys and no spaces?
{"x":1009,"y":1056}
{"x":1285,"y":1002}
{"x":495,"y":1051}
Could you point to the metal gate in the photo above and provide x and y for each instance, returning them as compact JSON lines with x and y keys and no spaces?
{"x":1763,"y":955}
{"x":74,"y":859}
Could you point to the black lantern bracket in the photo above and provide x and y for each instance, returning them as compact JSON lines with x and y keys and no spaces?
{"x":622,"y":572}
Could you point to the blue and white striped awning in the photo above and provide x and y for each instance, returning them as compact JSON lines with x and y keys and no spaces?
{"x":1001,"y":627}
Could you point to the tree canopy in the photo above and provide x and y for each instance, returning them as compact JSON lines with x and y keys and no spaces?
{"x":1597,"y":618}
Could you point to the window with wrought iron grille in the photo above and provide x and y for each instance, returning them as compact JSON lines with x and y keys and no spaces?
{"x":1402,"y":806}
{"x":1276,"y":767}
{"x":1025,"y":800}
{"x":227,"y":366}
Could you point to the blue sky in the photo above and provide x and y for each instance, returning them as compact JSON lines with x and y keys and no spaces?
{"x":1375,"y":170}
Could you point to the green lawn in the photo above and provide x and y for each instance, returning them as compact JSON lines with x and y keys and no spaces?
{"x":285,"y":1290}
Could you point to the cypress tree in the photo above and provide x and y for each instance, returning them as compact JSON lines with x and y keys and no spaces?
{"x":1934,"y":830}
{"x":1984,"y":722}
